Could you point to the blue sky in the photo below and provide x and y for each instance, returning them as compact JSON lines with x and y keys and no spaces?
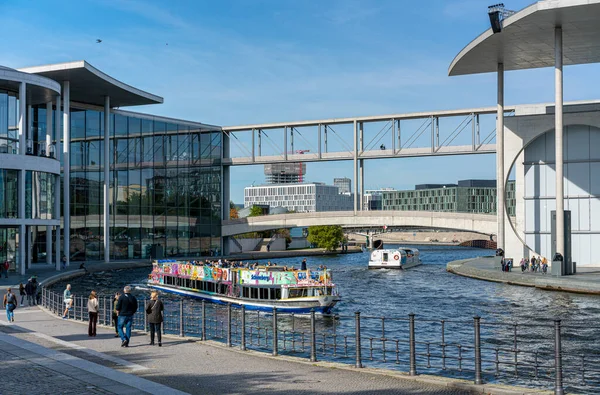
{"x":240,"y":62}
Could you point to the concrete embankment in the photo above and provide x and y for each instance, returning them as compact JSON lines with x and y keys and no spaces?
{"x":587,"y":279}
{"x":255,"y":255}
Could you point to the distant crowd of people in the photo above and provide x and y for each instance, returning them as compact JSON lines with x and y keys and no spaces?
{"x":225,"y":264}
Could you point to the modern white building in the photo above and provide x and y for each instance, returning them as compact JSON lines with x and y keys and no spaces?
{"x":301,"y":198}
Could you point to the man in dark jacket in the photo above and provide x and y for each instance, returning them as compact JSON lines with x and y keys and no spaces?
{"x":30,"y":291}
{"x":126,"y":307}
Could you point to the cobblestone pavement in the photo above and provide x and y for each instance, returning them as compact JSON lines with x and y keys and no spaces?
{"x":199,"y":368}
{"x":22,"y":374}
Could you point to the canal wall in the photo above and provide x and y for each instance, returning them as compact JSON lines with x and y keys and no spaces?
{"x":586,"y":281}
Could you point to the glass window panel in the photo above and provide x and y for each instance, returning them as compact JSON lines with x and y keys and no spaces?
{"x":120,"y":123}
{"x":77,"y":124}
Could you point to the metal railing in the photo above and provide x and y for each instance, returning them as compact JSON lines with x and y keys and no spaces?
{"x":535,"y":355}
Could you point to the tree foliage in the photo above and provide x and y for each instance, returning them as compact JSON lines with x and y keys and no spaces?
{"x":255,"y":211}
{"x":326,"y":236}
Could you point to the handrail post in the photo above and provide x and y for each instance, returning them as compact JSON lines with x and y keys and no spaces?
{"x":181,"y":329}
{"x":275,"y":345}
{"x":313,"y":337}
{"x":477,"y":329}
{"x":203,"y":320}
{"x":413,"y":357}
{"x":228,"y":324}
{"x":243,"y":312}
{"x":358,"y":345}
{"x":558,"y":387}
{"x":145,"y":316}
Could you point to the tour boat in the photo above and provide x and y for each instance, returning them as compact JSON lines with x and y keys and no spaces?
{"x":398,"y":258}
{"x":262,"y":288}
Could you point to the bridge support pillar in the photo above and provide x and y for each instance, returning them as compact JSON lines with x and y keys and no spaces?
{"x":355,"y":172}
{"x":500,"y":158}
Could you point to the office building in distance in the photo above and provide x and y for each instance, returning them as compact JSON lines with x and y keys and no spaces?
{"x":344,"y":184}
{"x":468,"y":196}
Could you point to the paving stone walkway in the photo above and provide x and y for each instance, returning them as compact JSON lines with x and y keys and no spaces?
{"x":587,"y":279}
{"x":182,"y":364}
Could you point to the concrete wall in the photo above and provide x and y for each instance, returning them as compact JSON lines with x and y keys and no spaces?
{"x":247,"y":245}
{"x":529,"y":148}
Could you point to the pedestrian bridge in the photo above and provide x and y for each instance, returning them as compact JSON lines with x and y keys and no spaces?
{"x":479,"y":223}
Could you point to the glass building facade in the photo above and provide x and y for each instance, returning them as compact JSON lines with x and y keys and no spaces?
{"x":165,"y":187}
{"x":469,"y":196}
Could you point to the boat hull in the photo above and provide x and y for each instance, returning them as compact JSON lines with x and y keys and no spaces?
{"x":374,"y":265}
{"x":320,"y":304}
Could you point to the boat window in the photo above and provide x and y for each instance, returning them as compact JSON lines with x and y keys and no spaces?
{"x":245,"y":292}
{"x":254,"y":293}
{"x":385,"y":257}
{"x":264,"y":293}
{"x":297,"y":292}
{"x":277,"y":293}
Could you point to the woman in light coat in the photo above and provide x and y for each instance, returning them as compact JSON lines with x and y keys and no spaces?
{"x":92,"y":306}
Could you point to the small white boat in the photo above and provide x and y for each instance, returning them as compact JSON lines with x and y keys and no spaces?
{"x":399,"y":258}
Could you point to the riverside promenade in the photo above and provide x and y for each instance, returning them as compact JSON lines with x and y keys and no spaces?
{"x":57,"y":356}
{"x":587,"y":279}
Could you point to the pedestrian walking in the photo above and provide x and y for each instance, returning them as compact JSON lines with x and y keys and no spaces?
{"x":64,"y":262}
{"x":68,"y":301}
{"x":303,"y":265}
{"x":10,"y":304}
{"x":127,"y":305}
{"x":115,"y":315}
{"x":155,"y":317}
{"x":30,"y":291}
{"x":5,"y":267}
{"x":93,"y":313}
{"x":22,"y":293}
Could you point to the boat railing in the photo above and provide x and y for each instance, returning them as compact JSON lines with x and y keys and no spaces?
{"x":541,"y":355}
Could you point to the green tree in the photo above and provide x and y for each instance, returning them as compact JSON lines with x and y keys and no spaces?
{"x":255,"y":211}
{"x":326,"y":236}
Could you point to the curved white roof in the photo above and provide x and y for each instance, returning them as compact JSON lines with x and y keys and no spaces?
{"x":90,"y":85}
{"x":39,"y":89}
{"x":527,"y":39}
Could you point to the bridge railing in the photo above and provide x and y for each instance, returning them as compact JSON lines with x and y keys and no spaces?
{"x":539,"y":355}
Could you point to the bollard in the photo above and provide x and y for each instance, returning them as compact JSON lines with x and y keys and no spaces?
{"x":558,"y":387}
{"x":413,"y":357}
{"x":477,"y":329}
{"x":357,"y":334}
{"x":275,"y":345}
{"x":313,"y":337}
{"x":243,"y":312}
{"x":203,"y":320}
{"x":228,"y":324}
{"x":181,"y":331}
{"x":145,"y":316}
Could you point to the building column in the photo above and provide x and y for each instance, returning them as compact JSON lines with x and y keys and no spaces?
{"x":558,"y":128}
{"x":355,"y":177}
{"x":29,"y":231}
{"x":106,"y":222}
{"x":361,"y":165}
{"x":48,"y":127}
{"x":57,"y":146}
{"x":29,"y":133}
{"x":49,"y":244}
{"x":22,"y":112}
{"x":500,"y":158}
{"x":66,"y":168}
{"x":57,"y":216}
{"x":57,"y":118}
{"x":225,"y":189}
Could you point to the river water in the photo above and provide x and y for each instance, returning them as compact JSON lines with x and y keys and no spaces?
{"x":433,"y":294}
